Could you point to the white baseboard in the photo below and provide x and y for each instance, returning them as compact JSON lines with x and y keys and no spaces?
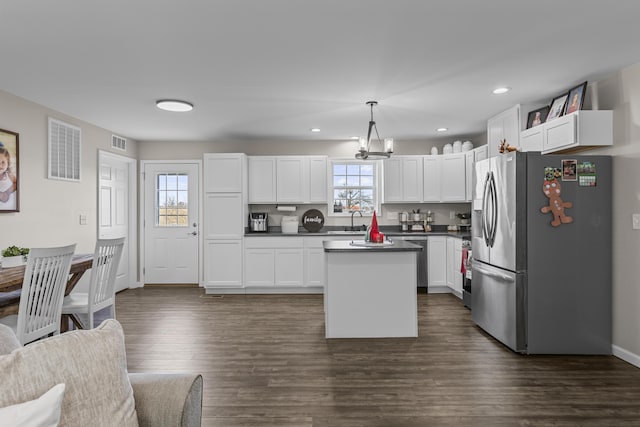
{"x":626,"y":355}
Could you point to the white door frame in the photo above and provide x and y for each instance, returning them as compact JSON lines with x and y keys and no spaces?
{"x":132,"y":231}
{"x":142,"y":198}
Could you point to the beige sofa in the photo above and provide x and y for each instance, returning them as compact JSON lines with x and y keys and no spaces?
{"x":98,"y":389}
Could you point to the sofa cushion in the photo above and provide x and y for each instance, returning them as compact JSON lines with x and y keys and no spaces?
{"x":8,"y":340}
{"x":91,"y":363}
{"x":42,"y":412}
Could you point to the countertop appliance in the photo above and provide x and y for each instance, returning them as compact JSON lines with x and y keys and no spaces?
{"x":422,"y":256}
{"x":541,"y":287}
{"x":258,"y":222}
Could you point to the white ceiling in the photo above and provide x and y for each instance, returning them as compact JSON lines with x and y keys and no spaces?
{"x":273,"y":69}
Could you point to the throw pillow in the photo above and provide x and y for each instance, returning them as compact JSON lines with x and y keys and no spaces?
{"x":92,"y":364}
{"x":42,"y":412}
{"x":8,"y":340}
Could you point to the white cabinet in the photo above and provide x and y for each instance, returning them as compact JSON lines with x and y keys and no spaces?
{"x":584,"y":128}
{"x":223,"y":173}
{"x":403,"y":179}
{"x":431,"y":185}
{"x":225,"y":210}
{"x":287,"y":179}
{"x":289,"y":266}
{"x":259,"y":267}
{"x":471,"y":157}
{"x":436,"y":264}
{"x":292,"y":179}
{"x":223,"y":264}
{"x":532,"y":139}
{"x":314,"y":262}
{"x":224,"y":216}
{"x":273,"y":262}
{"x":262,"y":179}
{"x":317,"y":179}
{"x":470,"y":161}
{"x":507,"y":126}
{"x":454,"y":261}
{"x":453,"y":178}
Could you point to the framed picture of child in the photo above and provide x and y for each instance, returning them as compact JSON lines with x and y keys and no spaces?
{"x":576,"y":98}
{"x":9,"y":142}
{"x":557,"y":106}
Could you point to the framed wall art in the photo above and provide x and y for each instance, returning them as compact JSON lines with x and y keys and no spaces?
{"x":557,"y":106}
{"x":576,"y":98}
{"x":9,"y":142}
{"x":537,"y":117}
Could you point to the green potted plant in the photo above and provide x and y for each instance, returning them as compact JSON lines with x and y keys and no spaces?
{"x":14,"y":256}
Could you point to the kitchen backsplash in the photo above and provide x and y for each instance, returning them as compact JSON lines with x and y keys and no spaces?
{"x":389,"y":215}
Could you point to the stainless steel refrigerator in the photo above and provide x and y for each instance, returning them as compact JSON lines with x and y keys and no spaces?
{"x":541,"y":241}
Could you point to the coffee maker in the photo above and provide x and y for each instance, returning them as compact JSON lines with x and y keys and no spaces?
{"x":258,"y":222}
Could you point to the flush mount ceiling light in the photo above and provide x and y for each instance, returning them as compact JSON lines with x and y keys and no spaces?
{"x":501,"y":90}
{"x":364,"y":151}
{"x":174,"y":105}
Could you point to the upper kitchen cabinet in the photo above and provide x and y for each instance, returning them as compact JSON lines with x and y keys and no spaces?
{"x":292,"y":179}
{"x":287,"y":179}
{"x":573,"y":132}
{"x":471,"y":157}
{"x":432,"y":178}
{"x":504,"y":126}
{"x":403,"y":179}
{"x":262,"y":179}
{"x":453,"y":178}
{"x":223,"y":173}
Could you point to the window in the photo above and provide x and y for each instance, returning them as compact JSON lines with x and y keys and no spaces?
{"x":172,"y":200}
{"x":354,"y":187}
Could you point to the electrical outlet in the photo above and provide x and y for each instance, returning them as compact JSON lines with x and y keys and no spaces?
{"x":452,"y":214}
{"x":636,"y":221}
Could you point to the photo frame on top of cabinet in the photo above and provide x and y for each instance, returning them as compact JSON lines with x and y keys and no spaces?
{"x":575,"y":100}
{"x":9,"y":142}
{"x":537,"y":117}
{"x":557,"y":106}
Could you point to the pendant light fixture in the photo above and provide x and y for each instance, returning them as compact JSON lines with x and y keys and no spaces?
{"x":386,"y":147}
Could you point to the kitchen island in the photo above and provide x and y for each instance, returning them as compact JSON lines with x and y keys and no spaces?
{"x":370,"y":289}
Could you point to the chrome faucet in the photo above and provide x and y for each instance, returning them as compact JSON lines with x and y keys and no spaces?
{"x":353,"y":212}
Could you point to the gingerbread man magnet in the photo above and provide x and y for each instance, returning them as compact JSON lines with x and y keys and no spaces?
{"x":552,"y":189}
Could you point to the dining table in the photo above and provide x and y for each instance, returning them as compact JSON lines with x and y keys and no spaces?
{"x":11,"y":284}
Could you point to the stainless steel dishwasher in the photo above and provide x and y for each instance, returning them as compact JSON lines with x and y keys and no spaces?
{"x":418,"y":239}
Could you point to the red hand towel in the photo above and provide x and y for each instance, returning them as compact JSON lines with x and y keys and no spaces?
{"x":465,"y":256}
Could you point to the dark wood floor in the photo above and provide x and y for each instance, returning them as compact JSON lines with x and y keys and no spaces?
{"x":265,"y":362}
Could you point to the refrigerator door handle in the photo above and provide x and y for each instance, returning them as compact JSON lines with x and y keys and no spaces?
{"x":485,"y":202}
{"x":494,"y":215}
{"x":477,"y":266}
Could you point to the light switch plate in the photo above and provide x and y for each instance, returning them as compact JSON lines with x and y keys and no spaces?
{"x":636,"y":221}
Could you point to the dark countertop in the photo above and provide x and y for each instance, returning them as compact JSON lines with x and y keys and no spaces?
{"x":347,"y":246}
{"x":391,"y":231}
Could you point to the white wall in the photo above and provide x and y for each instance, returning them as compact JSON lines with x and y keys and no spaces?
{"x":50,"y":209}
{"x":620,"y":92}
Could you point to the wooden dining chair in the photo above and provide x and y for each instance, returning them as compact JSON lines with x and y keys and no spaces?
{"x":102,"y":285}
{"x":43,"y":286}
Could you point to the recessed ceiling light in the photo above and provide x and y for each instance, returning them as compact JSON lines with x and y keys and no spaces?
{"x":315,"y":129}
{"x":355,"y":138}
{"x":442,"y":129}
{"x":501,"y":90}
{"x":174,"y":105}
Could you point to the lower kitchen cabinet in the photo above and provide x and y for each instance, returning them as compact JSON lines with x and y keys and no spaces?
{"x":223,"y":264}
{"x":273,"y":262}
{"x":454,"y":261}
{"x":436,"y":264}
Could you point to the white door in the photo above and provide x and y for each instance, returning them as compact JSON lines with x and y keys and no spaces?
{"x":171,"y":223}
{"x":114,"y":209}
